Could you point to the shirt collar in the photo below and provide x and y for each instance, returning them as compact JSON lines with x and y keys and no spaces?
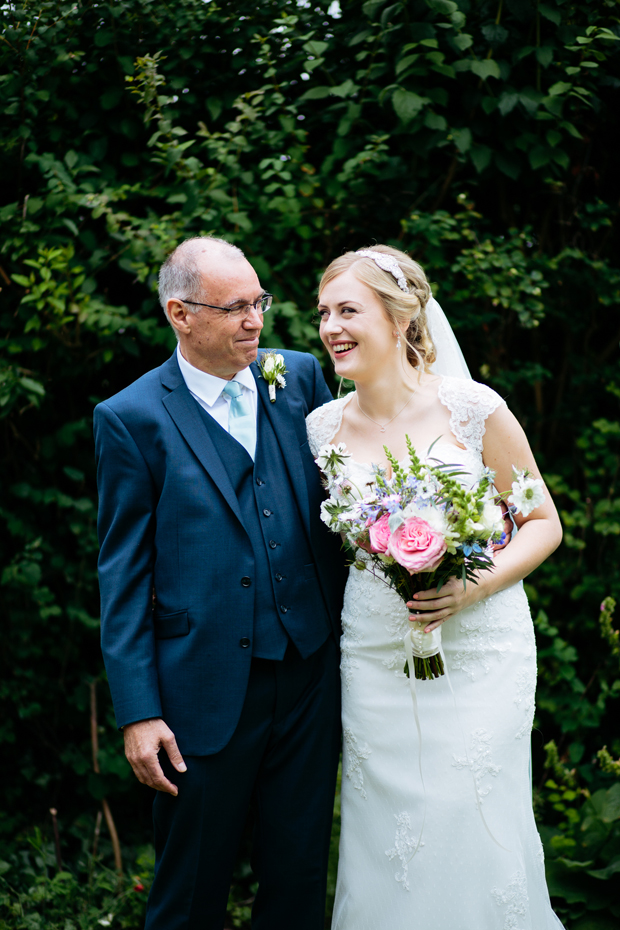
{"x":209,"y":387}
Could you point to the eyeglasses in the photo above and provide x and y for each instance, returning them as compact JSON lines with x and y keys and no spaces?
{"x":261,"y":306}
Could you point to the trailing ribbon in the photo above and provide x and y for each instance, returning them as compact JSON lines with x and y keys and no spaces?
{"x":433,"y":649}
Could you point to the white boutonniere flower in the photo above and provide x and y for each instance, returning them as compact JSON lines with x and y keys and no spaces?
{"x":273,"y":368}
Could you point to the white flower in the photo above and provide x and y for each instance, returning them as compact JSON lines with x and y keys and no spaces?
{"x":106,"y":921}
{"x":279,"y":359}
{"x":527,"y":492}
{"x":492,"y":519}
{"x":326,"y":517}
{"x":269,"y":364}
{"x":333,"y":458}
{"x":281,"y":380}
{"x":433,"y":516}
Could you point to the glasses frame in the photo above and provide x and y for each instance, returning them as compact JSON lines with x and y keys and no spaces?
{"x":230,"y":310}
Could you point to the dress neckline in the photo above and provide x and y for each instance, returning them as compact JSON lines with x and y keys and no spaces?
{"x":370,"y":465}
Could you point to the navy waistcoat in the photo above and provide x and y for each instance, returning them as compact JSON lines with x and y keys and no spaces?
{"x":284,"y":570}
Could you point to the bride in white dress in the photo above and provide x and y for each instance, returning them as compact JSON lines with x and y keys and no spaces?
{"x":478,"y":864}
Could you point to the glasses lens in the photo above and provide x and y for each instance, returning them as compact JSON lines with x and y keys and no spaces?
{"x":265,"y":303}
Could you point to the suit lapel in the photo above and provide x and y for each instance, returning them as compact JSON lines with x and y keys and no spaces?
{"x":183,"y":409}
{"x":285,"y":428}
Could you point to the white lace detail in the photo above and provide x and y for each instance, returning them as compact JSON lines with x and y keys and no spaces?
{"x":324,"y":422}
{"x":470,"y":403}
{"x":515,"y":900}
{"x":485,"y":637}
{"x":355,"y":756}
{"x":396,"y":627}
{"x":480,"y":762}
{"x":404,"y":845}
{"x":525,"y":694}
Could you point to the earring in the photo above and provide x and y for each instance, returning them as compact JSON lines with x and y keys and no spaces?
{"x":398,"y":342}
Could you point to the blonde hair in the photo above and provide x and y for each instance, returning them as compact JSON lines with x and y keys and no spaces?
{"x":400,"y":307}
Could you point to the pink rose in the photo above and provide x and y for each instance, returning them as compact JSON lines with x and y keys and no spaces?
{"x":417,"y":546}
{"x":379,"y":534}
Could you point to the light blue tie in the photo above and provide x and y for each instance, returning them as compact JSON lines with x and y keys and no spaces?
{"x":241,"y":419}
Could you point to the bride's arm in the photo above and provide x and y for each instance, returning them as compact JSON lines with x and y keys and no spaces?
{"x":505,"y":445}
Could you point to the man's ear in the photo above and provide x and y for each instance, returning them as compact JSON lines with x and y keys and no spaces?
{"x":179,"y":316}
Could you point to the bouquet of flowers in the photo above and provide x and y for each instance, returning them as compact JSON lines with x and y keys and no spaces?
{"x":420,"y":527}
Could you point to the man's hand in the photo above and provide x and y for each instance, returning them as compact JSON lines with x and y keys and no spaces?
{"x":143,"y":740}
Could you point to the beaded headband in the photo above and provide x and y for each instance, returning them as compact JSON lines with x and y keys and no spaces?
{"x":386,"y":263}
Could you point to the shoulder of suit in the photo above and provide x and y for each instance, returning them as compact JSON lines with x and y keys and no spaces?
{"x":138,"y":393}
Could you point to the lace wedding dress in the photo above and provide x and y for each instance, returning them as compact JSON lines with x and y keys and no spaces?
{"x":479,"y":864}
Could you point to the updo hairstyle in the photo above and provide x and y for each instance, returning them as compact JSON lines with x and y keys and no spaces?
{"x":400,"y":307}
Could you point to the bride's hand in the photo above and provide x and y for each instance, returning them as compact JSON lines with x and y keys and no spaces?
{"x":437,"y":608}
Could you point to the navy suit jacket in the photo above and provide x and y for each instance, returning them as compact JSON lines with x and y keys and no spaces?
{"x":169,"y":521}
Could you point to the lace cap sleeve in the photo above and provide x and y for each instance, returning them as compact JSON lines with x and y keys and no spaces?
{"x":324,"y":422}
{"x":470,"y":403}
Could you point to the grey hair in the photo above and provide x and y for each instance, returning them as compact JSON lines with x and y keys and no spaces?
{"x":180,"y":276}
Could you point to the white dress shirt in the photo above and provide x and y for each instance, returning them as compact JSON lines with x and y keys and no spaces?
{"x":207,"y":389}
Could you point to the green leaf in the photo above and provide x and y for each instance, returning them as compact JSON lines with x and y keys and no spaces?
{"x":345,"y":90}
{"x":480,"y":156}
{"x":544,"y":55}
{"x":560,"y":87}
{"x":463,"y":41}
{"x":462,"y":139}
{"x":404,"y":63}
{"x":486,"y":69}
{"x":508,"y":164}
{"x":540,"y":155}
{"x":21,"y":280}
{"x":508,"y":101}
{"x":407,"y":104}
{"x":494,"y":34}
{"x":550,"y":13}
{"x":33,"y":387}
{"x":443,"y":6}
{"x":315,"y":93}
{"x":435,"y":121}
{"x":371,"y":7}
{"x":71,"y":226}
{"x":611,"y":869}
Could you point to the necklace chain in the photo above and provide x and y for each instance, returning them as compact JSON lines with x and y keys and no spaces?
{"x":382,"y":426}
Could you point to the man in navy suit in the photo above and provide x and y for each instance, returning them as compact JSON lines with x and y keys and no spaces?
{"x":227,"y":687}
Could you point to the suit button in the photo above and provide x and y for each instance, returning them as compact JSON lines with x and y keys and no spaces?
{"x":278,"y":576}
{"x":259,"y":482}
{"x":246,"y":582}
{"x":272,"y":544}
{"x":283,"y":608}
{"x":244,"y":642}
{"x":267,"y":512}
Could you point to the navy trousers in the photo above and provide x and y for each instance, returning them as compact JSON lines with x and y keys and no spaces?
{"x":282,"y":760}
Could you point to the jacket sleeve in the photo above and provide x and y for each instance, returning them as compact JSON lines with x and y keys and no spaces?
{"x":126,"y":528}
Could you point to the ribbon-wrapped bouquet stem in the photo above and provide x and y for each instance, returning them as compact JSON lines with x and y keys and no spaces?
{"x":421,"y":526}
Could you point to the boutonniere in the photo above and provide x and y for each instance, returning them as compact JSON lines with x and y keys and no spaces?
{"x":273,"y":368}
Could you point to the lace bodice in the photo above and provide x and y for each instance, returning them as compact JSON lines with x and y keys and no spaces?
{"x":469,"y":403}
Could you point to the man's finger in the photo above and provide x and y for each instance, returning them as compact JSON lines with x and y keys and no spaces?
{"x":170,"y":745}
{"x":154,"y":777}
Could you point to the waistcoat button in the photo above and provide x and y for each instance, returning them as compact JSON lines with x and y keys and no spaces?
{"x":259,"y":482}
{"x":267,"y":512}
{"x":244,"y":642}
{"x":283,"y":608}
{"x":246,"y":582}
{"x":272,"y":544}
{"x":278,"y":576}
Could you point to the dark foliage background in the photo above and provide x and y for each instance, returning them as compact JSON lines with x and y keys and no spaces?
{"x":480,"y":136}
